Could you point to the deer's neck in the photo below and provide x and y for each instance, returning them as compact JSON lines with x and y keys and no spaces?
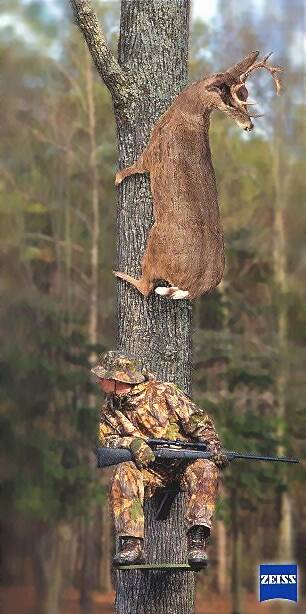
{"x":205,"y":137}
{"x":206,"y":126}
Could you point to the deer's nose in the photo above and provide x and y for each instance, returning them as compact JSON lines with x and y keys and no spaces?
{"x":250,"y":127}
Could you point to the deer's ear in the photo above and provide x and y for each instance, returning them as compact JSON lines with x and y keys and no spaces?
{"x":239,"y":68}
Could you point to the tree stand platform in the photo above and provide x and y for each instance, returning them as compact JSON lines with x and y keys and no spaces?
{"x":159,"y":567}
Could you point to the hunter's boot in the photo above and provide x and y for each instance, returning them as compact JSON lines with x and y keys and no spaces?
{"x":130,"y":551}
{"x":197,"y":538}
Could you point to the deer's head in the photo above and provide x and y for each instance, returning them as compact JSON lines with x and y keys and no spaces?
{"x":227,"y":91}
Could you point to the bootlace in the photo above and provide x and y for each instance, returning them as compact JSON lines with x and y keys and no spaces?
{"x":128,"y":542}
{"x":197,"y":535}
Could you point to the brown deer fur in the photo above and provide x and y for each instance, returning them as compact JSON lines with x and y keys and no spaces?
{"x":185,"y":245}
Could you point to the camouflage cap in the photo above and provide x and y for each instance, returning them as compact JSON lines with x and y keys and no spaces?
{"x":118,"y":365}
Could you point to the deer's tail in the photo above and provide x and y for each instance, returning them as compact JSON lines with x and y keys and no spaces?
{"x":172,"y":292}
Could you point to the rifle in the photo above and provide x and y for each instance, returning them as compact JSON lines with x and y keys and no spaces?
{"x":167,"y":449}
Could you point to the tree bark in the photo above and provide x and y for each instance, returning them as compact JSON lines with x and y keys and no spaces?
{"x":222,"y":559}
{"x":153,"y":46}
{"x":107,"y":531}
{"x":105,"y":577}
{"x":53,"y":561}
{"x":95,"y":214}
{"x":88,"y":536}
{"x":89,"y":527}
{"x":280,"y":173}
{"x":236,"y":585}
{"x":150,"y":73}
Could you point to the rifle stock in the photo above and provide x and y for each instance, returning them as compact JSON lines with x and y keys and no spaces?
{"x":106,"y":457}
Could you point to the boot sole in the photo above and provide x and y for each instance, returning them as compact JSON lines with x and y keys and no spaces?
{"x":200,"y":563}
{"x":127,"y":563}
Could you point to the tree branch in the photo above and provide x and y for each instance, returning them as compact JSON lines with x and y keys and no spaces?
{"x":110,"y":71}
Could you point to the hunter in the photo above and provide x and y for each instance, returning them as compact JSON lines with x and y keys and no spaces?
{"x":137,"y":408}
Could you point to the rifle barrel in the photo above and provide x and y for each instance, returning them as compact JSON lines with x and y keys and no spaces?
{"x":203,"y":447}
{"x":252,"y":456}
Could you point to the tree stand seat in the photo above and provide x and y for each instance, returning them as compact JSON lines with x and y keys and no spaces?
{"x":163,"y":500}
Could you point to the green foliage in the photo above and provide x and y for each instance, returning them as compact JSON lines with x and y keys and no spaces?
{"x":240,"y":357}
{"x":48,"y":411}
{"x":46,"y":417}
{"x":242,"y":375}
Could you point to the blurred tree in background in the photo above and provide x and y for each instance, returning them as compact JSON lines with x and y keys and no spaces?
{"x":57,"y":225}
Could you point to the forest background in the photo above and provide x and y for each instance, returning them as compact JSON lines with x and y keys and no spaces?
{"x":57,"y":252}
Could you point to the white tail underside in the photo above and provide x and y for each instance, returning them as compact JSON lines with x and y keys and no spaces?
{"x":173,"y":292}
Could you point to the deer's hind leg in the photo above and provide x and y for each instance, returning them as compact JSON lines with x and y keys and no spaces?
{"x":144,"y":285}
{"x":137,"y":167}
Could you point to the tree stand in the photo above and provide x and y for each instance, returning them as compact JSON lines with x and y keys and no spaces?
{"x":160,"y":567}
{"x":164,"y":581}
{"x":161,"y":504}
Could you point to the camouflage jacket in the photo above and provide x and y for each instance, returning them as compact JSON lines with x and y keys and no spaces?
{"x":154,"y":409}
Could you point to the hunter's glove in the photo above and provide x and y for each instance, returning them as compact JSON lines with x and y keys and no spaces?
{"x":142,"y":453}
{"x":219,"y":458}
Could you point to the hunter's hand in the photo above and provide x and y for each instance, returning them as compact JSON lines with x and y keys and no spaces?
{"x":219,"y":458}
{"x":142,"y":453}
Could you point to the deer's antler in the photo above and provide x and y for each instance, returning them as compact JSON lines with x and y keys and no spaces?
{"x":263,"y":64}
{"x":243,"y":77}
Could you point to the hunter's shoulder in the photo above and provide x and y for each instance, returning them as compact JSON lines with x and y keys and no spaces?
{"x":171,"y":389}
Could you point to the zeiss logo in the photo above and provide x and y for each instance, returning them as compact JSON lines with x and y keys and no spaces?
{"x":278,"y":582}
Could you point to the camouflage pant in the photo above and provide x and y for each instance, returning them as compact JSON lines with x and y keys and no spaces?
{"x":130,"y":486}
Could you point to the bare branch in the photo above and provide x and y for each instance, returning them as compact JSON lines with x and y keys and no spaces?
{"x":42,"y":237}
{"x":110,"y":71}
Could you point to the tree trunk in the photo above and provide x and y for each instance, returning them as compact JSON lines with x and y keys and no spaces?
{"x":236,"y":557}
{"x":105,"y":577}
{"x":89,"y":560}
{"x":222,"y":552}
{"x":53,"y":561}
{"x":222,"y":549}
{"x":68,"y":242}
{"x":105,"y":570}
{"x":153,"y":46}
{"x":95,"y":213}
{"x":285,"y":537}
{"x":150,"y":72}
{"x":89,"y":527}
{"x":285,"y":543}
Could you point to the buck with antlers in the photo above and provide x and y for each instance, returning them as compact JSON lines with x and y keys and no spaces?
{"x":185,"y":246}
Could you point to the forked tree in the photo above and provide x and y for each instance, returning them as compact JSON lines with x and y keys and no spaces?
{"x":149,"y":73}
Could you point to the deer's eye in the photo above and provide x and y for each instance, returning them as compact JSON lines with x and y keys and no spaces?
{"x":225,"y":89}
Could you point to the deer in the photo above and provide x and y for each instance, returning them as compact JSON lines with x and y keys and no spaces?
{"x":185,"y":246}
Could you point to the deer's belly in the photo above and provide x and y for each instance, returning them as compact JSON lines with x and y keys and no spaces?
{"x":183,"y":251}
